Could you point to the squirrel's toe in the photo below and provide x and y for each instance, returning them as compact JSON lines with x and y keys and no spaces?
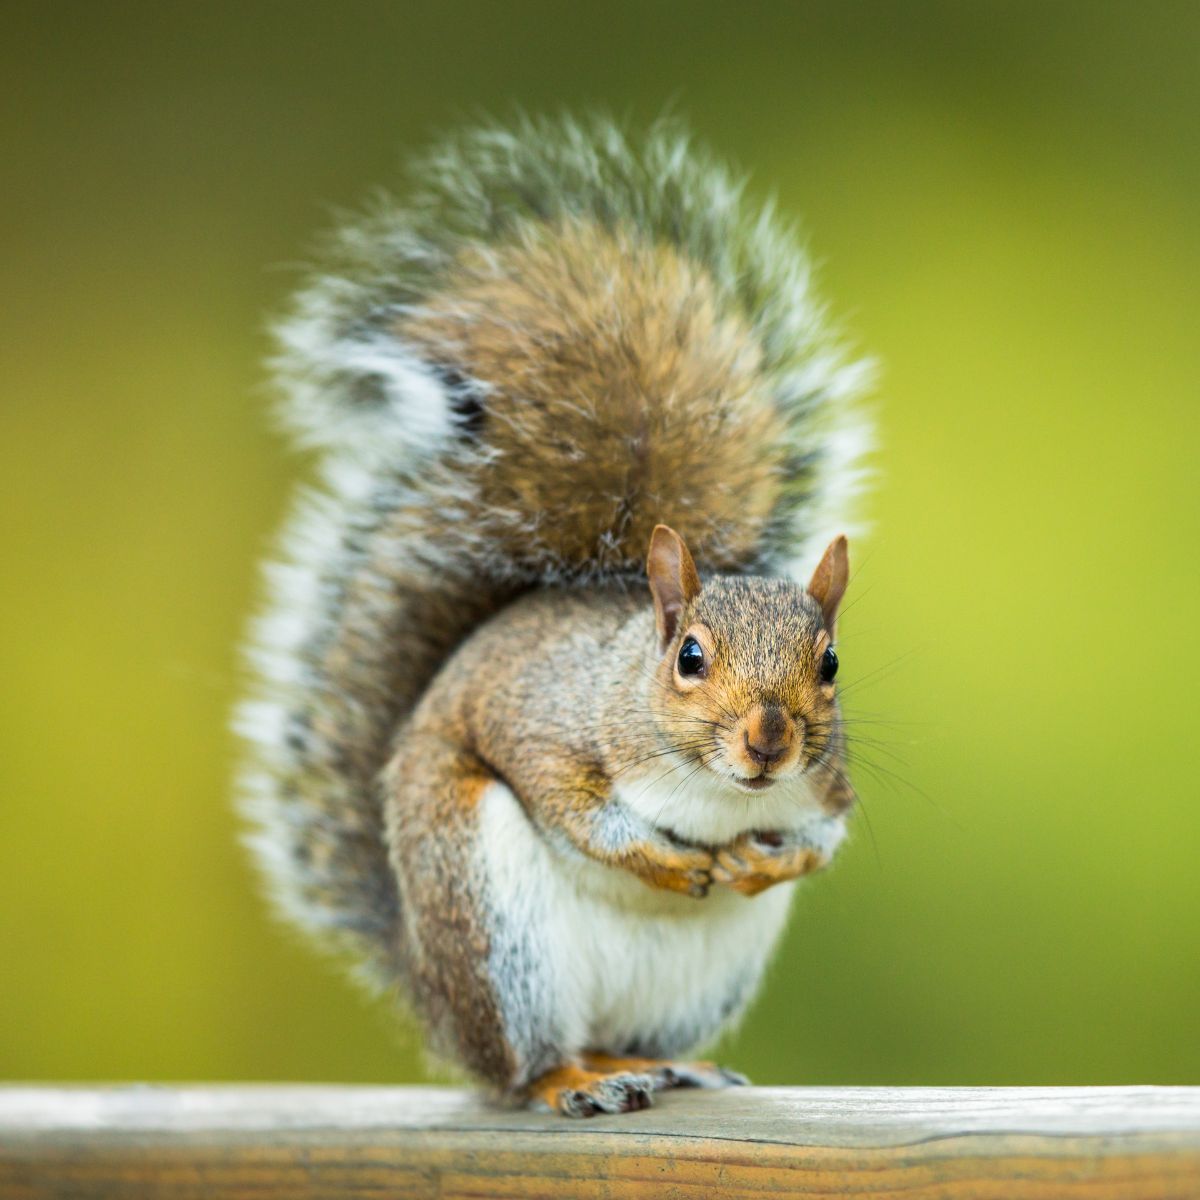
{"x":607,"y":1094}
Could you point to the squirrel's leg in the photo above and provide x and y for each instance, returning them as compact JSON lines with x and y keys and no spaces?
{"x":476,"y":963}
{"x":435,"y":789}
{"x":606,"y":830}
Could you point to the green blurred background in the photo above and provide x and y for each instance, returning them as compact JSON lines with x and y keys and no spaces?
{"x":1003,"y":197}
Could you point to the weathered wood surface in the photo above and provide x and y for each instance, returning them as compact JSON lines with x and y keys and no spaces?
{"x":264,"y":1142}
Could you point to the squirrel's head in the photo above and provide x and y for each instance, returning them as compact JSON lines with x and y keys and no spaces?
{"x":746,"y":680}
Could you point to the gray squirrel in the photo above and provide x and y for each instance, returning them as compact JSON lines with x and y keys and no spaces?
{"x":558,"y":811}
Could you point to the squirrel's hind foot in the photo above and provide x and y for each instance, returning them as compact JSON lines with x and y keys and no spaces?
{"x":575,"y":1091}
{"x":604,"y":1084}
{"x":669,"y":1074}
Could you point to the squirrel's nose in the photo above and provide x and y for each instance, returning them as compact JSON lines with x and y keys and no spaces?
{"x":764,"y":755}
{"x":767,"y":734}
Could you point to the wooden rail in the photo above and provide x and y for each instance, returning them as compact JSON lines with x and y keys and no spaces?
{"x":265,"y":1142}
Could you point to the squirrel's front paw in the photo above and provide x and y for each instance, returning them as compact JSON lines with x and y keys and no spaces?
{"x":757,"y":860}
{"x":675,"y":867}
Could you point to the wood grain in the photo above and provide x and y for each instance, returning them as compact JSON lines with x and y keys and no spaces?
{"x":264,"y":1142}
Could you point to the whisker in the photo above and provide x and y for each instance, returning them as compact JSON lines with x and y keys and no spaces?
{"x":888,"y":666}
{"x":682,"y":748}
{"x":701,"y":763}
{"x":861,"y":806}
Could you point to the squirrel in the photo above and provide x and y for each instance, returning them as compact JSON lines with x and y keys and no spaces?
{"x":545,"y":769}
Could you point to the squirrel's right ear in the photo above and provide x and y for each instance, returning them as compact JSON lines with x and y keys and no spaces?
{"x":674,"y":582}
{"x":828,"y":584}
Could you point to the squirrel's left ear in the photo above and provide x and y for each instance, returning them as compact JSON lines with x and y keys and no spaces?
{"x":674,"y":582}
{"x":828,"y":584}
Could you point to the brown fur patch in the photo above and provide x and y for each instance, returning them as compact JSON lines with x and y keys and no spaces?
{"x":588,"y":344}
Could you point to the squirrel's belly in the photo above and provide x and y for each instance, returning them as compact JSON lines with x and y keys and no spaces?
{"x":589,"y":957}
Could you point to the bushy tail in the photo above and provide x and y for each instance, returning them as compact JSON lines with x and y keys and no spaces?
{"x":560,"y":341}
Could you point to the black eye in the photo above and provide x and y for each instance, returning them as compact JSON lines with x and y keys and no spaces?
{"x":829,"y":665}
{"x":691,"y":657}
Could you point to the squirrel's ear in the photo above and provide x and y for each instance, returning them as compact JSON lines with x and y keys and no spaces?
{"x":673,"y":579}
{"x":828,"y":584}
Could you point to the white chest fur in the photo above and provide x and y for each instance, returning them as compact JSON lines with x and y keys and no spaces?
{"x":592,"y":958}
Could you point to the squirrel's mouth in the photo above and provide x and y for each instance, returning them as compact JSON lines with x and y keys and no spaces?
{"x":757,"y":783}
